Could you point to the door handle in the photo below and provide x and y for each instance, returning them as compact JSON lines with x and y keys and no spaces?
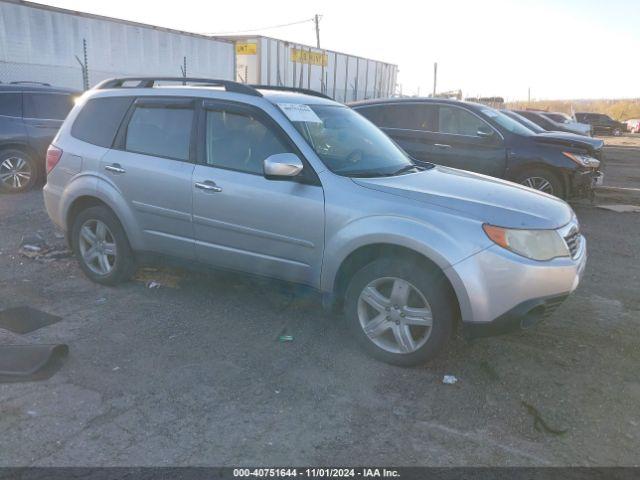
{"x":115,"y":168}
{"x":441,"y":145}
{"x":208,"y":186}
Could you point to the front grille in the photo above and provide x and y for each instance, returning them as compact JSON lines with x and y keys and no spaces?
{"x":573,"y":242}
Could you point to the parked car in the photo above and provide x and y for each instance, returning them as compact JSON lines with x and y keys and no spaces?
{"x":593,"y":145}
{"x":303,"y":189}
{"x":30,"y":115}
{"x":540,"y":119}
{"x":478,"y":138}
{"x":568,"y":123}
{"x":602,"y":124}
{"x":633,"y":125}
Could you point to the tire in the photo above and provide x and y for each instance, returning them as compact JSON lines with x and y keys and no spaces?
{"x":109,"y":242}
{"x":534,"y":178}
{"x":19,"y":172}
{"x":382,"y":343}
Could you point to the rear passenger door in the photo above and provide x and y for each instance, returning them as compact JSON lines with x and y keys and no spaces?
{"x":467,"y":142}
{"x":411,"y":125}
{"x":43,"y":114}
{"x":243,"y":221}
{"x":151,"y":166}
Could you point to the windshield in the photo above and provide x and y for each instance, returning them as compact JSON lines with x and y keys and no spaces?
{"x":347,"y":143}
{"x":524,"y":121}
{"x":506,"y":122}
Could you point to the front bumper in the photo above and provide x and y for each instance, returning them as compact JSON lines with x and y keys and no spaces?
{"x":583,"y":182}
{"x":500,"y":291}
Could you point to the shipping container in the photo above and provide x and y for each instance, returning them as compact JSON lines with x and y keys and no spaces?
{"x":46,"y":44}
{"x":344,"y":77}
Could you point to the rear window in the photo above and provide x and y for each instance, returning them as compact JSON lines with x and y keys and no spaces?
{"x":50,"y":106}
{"x":161,"y":132}
{"x":11,"y":104}
{"x":98,"y":121}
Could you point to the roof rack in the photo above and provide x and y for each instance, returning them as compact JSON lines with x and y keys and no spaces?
{"x":306,"y":91}
{"x":29,"y":82}
{"x":149,"y":82}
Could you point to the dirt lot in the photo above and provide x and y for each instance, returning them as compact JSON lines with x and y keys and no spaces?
{"x":195,"y":375}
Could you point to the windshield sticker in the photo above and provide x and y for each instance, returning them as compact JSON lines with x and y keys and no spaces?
{"x":298,"y":112}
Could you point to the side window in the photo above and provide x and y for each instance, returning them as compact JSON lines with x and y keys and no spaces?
{"x":11,"y":104}
{"x":47,"y":106}
{"x":373,"y":114}
{"x":99,"y":119}
{"x":411,"y":117}
{"x":458,"y":121}
{"x":160,"y":131}
{"x":239,"y":141}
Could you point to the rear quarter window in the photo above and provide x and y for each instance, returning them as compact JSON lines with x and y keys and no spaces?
{"x":11,"y":104}
{"x":47,"y":106}
{"x":99,"y":120}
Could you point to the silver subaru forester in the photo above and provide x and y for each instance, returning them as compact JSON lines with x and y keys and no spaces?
{"x":297,"y":187}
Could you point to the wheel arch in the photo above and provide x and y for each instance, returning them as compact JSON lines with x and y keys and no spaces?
{"x":366,"y":254}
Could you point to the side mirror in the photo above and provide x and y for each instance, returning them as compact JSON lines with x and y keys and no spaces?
{"x":484,"y":132}
{"x":282,"y":166}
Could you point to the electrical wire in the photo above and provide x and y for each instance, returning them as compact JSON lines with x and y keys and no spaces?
{"x":259,"y":29}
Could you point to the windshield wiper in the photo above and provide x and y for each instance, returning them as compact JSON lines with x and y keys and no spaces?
{"x":406,"y":168}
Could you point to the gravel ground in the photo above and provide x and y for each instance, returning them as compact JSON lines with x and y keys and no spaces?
{"x":194,"y":374}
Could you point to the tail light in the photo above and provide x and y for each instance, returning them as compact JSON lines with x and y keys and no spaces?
{"x":53,"y":157}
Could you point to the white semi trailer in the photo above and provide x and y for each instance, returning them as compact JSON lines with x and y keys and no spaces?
{"x":344,"y":77}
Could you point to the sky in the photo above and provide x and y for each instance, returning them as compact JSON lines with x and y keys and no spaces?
{"x":562,"y":49}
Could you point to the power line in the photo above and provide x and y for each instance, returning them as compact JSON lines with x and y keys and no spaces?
{"x":263,"y":28}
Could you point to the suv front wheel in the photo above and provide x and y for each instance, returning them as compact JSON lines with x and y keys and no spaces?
{"x":101,"y":246}
{"x":399,"y":312}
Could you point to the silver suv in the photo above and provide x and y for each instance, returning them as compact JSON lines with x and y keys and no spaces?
{"x":298,"y":187}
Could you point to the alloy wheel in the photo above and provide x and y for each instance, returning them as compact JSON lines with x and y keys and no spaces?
{"x":15,"y":172}
{"x":538,"y":183}
{"x":395,"y":315}
{"x":97,"y":247}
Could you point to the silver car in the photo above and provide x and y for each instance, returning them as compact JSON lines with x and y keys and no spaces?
{"x":300,"y":188}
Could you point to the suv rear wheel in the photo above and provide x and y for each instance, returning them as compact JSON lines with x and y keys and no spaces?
{"x":101,"y":246}
{"x":543,"y":180}
{"x":399,"y":312}
{"x":18,"y":171}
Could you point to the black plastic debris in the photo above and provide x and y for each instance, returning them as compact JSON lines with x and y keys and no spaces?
{"x":30,"y":363}
{"x":25,"y":319}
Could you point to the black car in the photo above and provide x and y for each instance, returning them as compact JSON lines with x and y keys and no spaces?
{"x":30,"y":115}
{"x":545,"y":121}
{"x":475,"y":137}
{"x":602,"y":124}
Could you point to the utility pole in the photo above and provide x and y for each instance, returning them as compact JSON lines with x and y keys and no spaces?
{"x":316,"y":19}
{"x":435,"y":77}
{"x":529,"y":96}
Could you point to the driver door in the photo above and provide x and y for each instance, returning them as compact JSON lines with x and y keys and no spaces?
{"x":243,"y":221}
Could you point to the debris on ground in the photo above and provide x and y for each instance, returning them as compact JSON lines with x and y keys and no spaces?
{"x":620,"y":208}
{"x":449,"y":379}
{"x":154,"y":277}
{"x":540,"y":423}
{"x":35,"y":247}
{"x":286,"y":338}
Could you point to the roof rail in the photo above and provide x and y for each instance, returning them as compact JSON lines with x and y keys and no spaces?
{"x":306,"y":91}
{"x":29,"y":82}
{"x":149,"y":82}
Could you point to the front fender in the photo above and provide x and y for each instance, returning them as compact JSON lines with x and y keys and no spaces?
{"x":443,"y":247}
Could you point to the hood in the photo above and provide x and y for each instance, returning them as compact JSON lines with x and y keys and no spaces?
{"x":569,"y":140}
{"x":487,"y":199}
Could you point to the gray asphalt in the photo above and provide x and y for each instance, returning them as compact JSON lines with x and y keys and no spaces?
{"x":196,"y":375}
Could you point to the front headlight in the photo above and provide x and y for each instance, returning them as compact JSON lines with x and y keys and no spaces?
{"x":583,"y":160}
{"x":533,"y":244}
